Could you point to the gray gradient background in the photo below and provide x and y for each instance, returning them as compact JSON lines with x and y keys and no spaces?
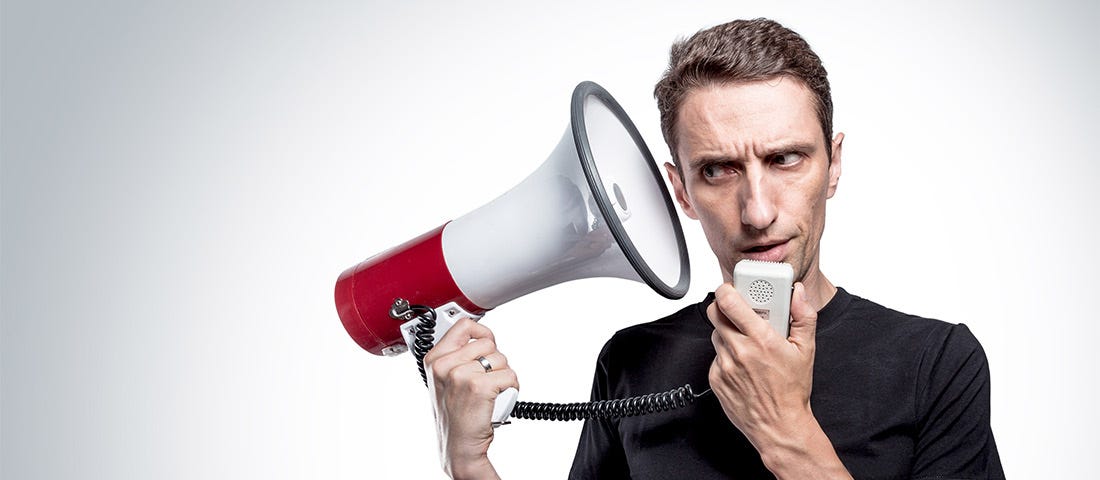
{"x":183,"y":181}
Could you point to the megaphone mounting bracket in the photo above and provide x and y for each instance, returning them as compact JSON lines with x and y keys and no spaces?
{"x":445,"y":316}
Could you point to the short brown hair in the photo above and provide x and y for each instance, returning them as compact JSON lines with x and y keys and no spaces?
{"x":741,"y":51}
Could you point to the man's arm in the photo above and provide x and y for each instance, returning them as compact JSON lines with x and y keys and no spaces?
{"x":463,"y":393}
{"x":954,"y":438}
{"x":763,"y":382}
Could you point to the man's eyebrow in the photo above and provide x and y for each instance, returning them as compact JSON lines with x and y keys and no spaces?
{"x":711,"y":159}
{"x":804,"y":146}
{"x":791,"y":146}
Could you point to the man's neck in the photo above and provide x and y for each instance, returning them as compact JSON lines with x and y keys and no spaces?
{"x":819,"y":289}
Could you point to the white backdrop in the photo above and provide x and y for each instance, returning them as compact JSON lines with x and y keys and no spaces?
{"x":182,"y":182}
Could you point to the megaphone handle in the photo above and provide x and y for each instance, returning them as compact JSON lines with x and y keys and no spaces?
{"x":503,"y":406}
{"x":442,"y":318}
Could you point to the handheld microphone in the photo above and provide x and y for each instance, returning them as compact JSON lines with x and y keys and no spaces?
{"x":766,"y":286}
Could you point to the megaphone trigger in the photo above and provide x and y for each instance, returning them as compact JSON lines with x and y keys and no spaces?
{"x":503,"y":406}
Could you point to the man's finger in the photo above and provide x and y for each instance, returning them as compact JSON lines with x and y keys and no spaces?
{"x":740,"y":315}
{"x":475,"y":350}
{"x":467,"y":356}
{"x":470,"y":378}
{"x":804,"y":323}
{"x":457,"y":337}
{"x":503,"y":379}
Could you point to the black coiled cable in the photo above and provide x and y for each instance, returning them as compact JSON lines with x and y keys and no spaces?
{"x":423,"y":333}
{"x":618,"y":408}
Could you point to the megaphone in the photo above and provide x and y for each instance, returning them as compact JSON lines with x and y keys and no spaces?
{"x":596,"y":207}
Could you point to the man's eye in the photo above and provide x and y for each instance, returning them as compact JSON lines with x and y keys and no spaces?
{"x":716,"y":170}
{"x":785,"y":159}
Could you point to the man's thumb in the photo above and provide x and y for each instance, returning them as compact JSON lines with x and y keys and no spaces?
{"x":804,"y":317}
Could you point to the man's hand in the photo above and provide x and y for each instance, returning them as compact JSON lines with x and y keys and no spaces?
{"x":463,"y":394}
{"x":763,"y":382}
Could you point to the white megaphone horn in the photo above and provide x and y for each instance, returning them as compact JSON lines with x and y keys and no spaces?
{"x":597,"y":207}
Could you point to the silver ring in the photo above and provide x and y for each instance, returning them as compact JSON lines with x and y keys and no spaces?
{"x":485,"y":364}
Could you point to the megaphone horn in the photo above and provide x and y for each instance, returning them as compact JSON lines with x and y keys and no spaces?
{"x":597,"y":207}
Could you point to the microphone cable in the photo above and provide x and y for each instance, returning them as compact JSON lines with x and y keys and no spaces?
{"x":424,"y":340}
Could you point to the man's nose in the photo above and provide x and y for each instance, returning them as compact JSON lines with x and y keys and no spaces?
{"x":758,"y":208}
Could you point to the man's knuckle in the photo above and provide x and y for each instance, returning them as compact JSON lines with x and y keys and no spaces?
{"x":715,"y":374}
{"x":452,"y":376}
{"x":474,"y":389}
{"x":463,"y":324}
{"x":724,"y":289}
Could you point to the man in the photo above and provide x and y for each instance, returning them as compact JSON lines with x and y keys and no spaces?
{"x":856,"y":390}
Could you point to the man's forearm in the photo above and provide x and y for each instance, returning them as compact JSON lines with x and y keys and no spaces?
{"x":803,"y":453}
{"x":477,"y":469}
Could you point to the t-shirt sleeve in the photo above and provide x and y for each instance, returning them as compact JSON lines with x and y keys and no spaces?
{"x":954,"y":438}
{"x":599,"y":451}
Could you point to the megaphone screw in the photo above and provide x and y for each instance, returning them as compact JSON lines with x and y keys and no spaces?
{"x":400,"y":310}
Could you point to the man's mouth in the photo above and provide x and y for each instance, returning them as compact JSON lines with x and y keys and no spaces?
{"x":769,"y":252}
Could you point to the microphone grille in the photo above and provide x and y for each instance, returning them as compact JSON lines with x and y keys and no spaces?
{"x":761,"y":291}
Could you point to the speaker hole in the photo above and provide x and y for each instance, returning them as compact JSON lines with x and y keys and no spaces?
{"x":761,"y":291}
{"x":619,"y":196}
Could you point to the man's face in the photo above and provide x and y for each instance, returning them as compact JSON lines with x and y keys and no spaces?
{"x":755,"y":172}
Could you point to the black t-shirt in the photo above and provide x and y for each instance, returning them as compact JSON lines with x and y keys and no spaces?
{"x":899,"y":396}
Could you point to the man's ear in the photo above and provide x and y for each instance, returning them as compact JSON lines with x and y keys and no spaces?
{"x":679,"y":191}
{"x":834,"y":164}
